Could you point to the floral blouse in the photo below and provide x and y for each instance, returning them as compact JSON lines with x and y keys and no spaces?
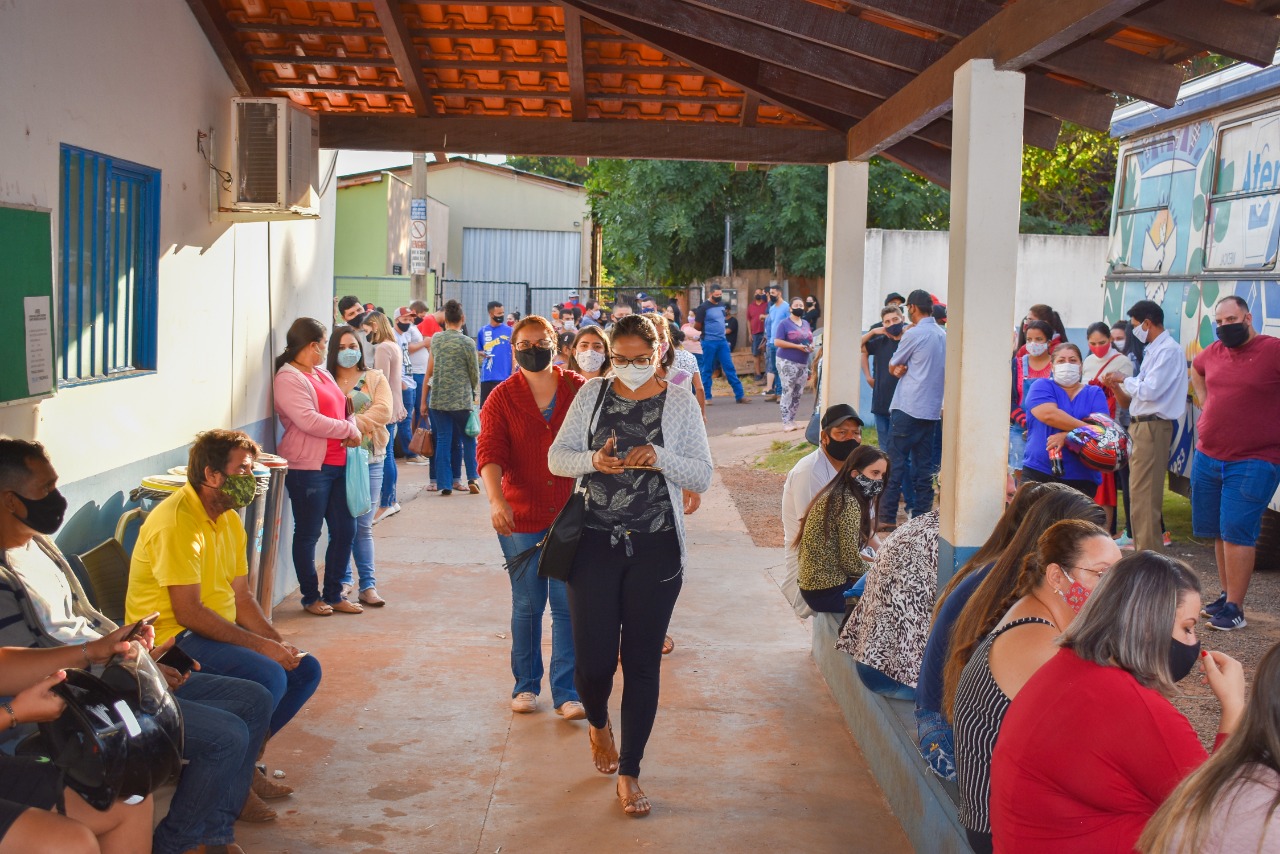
{"x":636,"y":500}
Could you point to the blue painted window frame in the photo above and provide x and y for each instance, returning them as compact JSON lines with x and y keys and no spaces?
{"x":108,"y":247}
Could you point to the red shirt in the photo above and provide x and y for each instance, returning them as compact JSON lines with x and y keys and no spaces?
{"x":515,"y":437}
{"x":1241,"y":418}
{"x":429,"y":326}
{"x":333,"y":404}
{"x":756,"y":312}
{"x":1084,"y":758}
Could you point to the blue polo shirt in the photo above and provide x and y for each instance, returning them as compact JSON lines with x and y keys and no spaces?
{"x":496,"y":341}
{"x":711,"y":316}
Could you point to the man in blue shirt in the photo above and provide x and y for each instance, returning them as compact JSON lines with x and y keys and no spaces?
{"x":916,"y":408}
{"x":709,"y":319}
{"x":494,"y":344}
{"x":779,"y":309}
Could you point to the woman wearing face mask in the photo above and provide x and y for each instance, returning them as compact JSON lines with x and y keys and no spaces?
{"x":693,"y":340}
{"x":636,"y":442}
{"x":590,"y":358}
{"x":794,"y":339}
{"x":317,"y":432}
{"x":518,"y":421}
{"x":1056,"y":579}
{"x":1044,"y":314}
{"x":1092,"y":746}
{"x":678,"y":367}
{"x":1102,"y":358}
{"x":371,"y":404}
{"x":1033,"y":364}
{"x":388,"y":359}
{"x":837,"y":526}
{"x":1054,"y":409}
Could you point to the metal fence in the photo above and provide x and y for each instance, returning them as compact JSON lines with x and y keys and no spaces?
{"x":475,"y":296}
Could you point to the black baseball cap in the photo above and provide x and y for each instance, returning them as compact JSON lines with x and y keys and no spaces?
{"x":894,"y":296}
{"x":838,"y":414}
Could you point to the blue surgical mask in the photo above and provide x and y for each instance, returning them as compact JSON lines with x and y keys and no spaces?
{"x":348,"y":358}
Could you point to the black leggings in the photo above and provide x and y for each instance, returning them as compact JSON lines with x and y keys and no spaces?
{"x":616,"y":599}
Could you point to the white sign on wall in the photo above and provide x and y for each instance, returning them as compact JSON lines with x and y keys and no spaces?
{"x":417,"y":237}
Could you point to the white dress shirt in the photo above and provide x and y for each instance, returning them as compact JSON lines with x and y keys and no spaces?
{"x":1160,"y":388}
{"x":805,"y":480}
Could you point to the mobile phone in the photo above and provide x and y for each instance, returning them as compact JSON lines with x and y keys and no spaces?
{"x":177,"y":659}
{"x":137,"y":627}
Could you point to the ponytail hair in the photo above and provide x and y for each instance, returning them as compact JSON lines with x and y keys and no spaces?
{"x":1060,"y":544}
{"x":303,"y":332}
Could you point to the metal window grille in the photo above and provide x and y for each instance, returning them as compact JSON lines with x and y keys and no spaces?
{"x":109,"y":252}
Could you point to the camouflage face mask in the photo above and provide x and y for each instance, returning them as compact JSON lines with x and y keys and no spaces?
{"x":240,"y":488}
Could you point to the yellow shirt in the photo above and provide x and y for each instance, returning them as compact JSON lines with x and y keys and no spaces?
{"x":179,"y":544}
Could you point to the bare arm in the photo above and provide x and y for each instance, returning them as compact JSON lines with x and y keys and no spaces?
{"x":192,"y":613}
{"x":866,"y":364}
{"x":1049,"y":413}
{"x":249,"y":614}
{"x":1199,"y":387}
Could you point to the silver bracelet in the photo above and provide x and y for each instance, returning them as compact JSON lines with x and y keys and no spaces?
{"x":13,"y":717}
{"x":84,"y":647}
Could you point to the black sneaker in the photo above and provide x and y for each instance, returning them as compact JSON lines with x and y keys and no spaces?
{"x":1229,"y":618}
{"x":1212,"y":609}
{"x":446,"y":492}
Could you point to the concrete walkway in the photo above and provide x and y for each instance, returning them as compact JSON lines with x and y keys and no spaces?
{"x":410,"y":744}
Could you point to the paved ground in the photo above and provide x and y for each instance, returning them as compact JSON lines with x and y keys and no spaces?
{"x":409,"y":746}
{"x":724,"y":415}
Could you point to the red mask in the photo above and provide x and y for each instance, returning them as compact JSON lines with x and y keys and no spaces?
{"x":1100,"y":350}
{"x":1077,"y":594}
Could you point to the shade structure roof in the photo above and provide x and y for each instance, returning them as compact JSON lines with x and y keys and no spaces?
{"x":769,"y":81}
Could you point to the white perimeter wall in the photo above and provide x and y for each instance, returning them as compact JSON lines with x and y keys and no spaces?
{"x":135,"y":79}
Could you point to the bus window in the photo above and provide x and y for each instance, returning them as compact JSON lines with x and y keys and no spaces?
{"x":1145,"y":233}
{"x":1244,"y":210}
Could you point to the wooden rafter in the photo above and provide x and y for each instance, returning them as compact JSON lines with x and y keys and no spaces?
{"x":750,"y":109}
{"x":573,"y":55}
{"x":213,"y":21}
{"x":596,"y":138}
{"x":408,"y":64}
{"x":1019,"y":35}
{"x":1214,"y":25}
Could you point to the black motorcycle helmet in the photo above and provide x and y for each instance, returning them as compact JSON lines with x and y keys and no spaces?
{"x":120,"y":737}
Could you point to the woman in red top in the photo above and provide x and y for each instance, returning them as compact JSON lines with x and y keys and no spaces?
{"x":1091,"y":746}
{"x":519,"y":420}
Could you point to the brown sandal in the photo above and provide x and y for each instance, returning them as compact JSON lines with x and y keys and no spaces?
{"x":343,"y":606}
{"x":631,"y":804}
{"x":606,"y":760}
{"x":320,"y":608}
{"x":668,"y":645}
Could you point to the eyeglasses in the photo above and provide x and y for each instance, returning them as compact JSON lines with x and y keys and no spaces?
{"x":1086,"y":569}
{"x":638,"y":361}
{"x":544,"y":344}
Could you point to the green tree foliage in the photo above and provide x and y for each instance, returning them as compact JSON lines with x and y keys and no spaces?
{"x":564,"y":168}
{"x":897,"y":198}
{"x":1068,"y":190}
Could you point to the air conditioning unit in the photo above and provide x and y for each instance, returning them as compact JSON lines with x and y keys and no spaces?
{"x":275,"y":164}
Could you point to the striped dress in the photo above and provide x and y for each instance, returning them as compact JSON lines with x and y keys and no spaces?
{"x":980,"y":709}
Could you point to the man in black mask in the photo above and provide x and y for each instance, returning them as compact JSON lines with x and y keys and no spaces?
{"x":494,"y":344}
{"x":1236,"y":468}
{"x":841,"y":433}
{"x":878,"y":347}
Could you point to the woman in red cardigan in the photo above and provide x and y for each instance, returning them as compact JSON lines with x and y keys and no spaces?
{"x":1091,"y":746}
{"x":519,"y":420}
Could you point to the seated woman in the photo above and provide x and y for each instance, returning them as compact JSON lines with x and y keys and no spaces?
{"x":1054,"y":409}
{"x":887,"y":630}
{"x":1092,"y":746}
{"x":836,"y":527}
{"x":1229,"y":803}
{"x":1056,"y":579}
{"x":932,"y":727}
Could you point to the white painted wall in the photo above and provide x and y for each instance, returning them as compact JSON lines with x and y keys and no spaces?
{"x":136,"y":81}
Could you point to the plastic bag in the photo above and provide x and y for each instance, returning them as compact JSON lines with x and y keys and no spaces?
{"x":473,"y":424}
{"x":358,"y":499}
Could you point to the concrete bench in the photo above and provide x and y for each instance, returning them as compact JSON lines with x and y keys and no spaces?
{"x":885,"y":730}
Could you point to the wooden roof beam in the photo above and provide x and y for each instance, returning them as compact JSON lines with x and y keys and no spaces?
{"x":573,"y":54}
{"x":213,"y":21}
{"x":927,"y":161}
{"x":1121,"y":70}
{"x":750,"y":110}
{"x":408,"y":64}
{"x":596,"y":138}
{"x":1213,"y":25}
{"x":1019,"y":35}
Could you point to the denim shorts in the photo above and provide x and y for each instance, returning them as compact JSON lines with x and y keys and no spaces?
{"x":1227,"y":498}
{"x":1017,"y":447}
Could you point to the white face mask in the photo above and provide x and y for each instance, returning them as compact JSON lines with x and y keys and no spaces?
{"x":633,"y":376}
{"x":1037,"y":348}
{"x":1066,"y":374}
{"x":1140,"y":332}
{"x":589,"y":360}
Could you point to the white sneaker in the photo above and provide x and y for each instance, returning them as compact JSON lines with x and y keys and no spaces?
{"x":571,"y":710}
{"x":417,"y":461}
{"x":525,"y":702}
{"x":390,"y":511}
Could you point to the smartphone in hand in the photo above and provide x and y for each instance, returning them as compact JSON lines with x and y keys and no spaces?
{"x":138,"y":626}
{"x":177,"y":659}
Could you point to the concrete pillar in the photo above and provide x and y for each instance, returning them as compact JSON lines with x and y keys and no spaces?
{"x":986,"y":180}
{"x":419,"y":245}
{"x":842,"y":294}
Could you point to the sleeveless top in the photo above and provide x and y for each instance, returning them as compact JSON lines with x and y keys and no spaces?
{"x":980,"y":709}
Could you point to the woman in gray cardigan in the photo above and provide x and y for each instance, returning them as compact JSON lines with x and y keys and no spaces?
{"x":636,"y":443}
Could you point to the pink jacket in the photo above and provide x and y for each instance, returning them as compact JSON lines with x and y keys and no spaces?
{"x":306,"y":431}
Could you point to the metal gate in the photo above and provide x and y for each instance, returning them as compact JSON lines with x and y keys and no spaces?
{"x":475,"y":297}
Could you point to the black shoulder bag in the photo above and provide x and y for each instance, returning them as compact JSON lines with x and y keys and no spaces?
{"x":560,"y":545}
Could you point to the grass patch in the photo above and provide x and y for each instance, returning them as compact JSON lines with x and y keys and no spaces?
{"x":783,"y":454}
{"x":1177,"y":516}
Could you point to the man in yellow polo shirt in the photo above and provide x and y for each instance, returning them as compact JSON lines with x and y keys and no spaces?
{"x":190,"y":565}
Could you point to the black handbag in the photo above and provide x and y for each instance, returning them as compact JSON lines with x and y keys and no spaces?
{"x":560,"y":545}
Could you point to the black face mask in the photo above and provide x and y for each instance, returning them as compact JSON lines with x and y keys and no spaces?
{"x":44,"y":515}
{"x":1233,"y":334}
{"x":840,"y":450}
{"x":797,"y":312}
{"x":759,"y":297}
{"x":534,"y":359}
{"x":715,"y":299}
{"x":1182,"y":657}
{"x":895,"y":329}
{"x":497,"y":318}
{"x":403,"y":327}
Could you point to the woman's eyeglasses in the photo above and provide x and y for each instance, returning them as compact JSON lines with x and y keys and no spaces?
{"x":544,"y":344}
{"x":638,"y":361}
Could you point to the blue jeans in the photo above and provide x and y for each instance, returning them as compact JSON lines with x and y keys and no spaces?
{"x":362,"y":545}
{"x":320,"y":498}
{"x":389,"y":474}
{"x":1228,"y":498}
{"x":529,"y":597}
{"x":451,"y":426}
{"x":290,"y":689}
{"x":455,"y":454}
{"x":771,"y":366}
{"x":911,"y":443}
{"x":404,"y":431}
{"x":224,"y":724}
{"x":716,"y":351}
{"x":876,"y":681}
{"x":889,"y":515}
